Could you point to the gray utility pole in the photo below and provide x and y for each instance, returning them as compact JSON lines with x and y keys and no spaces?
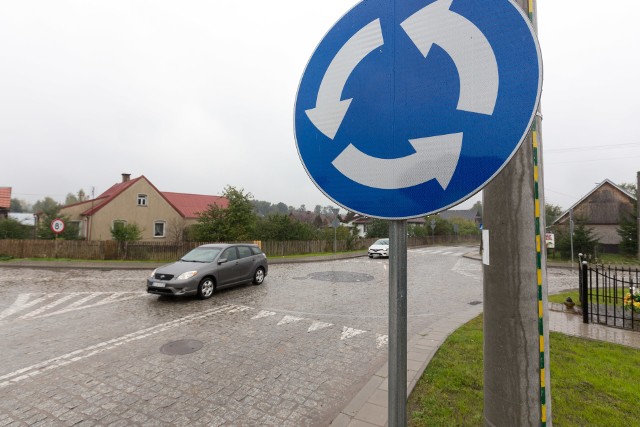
{"x":516,"y":338}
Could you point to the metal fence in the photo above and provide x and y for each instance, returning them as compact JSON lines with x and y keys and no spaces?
{"x":607,"y":293}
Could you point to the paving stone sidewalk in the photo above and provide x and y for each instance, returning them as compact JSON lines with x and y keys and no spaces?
{"x":369,"y":408}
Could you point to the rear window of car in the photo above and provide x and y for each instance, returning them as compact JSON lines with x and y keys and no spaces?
{"x":244,"y":252}
{"x":256,"y":250}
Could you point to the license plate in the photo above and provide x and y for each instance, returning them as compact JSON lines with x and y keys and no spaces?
{"x":158,"y":285}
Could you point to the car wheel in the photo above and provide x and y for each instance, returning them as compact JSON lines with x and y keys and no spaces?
{"x":206,"y":288}
{"x":258,"y":276}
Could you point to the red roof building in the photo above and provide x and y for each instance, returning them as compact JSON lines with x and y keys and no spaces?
{"x":5,"y":201}
{"x":160,"y":215}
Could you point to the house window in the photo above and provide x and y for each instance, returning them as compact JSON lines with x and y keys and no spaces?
{"x":158,"y":228}
{"x":142,"y":200}
{"x":78,"y":227}
{"x":118,"y":224}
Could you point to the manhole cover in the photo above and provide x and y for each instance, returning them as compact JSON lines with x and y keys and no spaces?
{"x":475,"y":302}
{"x":180,"y":347}
{"x":341,"y":276}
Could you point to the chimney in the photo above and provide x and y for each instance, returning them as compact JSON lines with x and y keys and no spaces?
{"x":126,"y":177}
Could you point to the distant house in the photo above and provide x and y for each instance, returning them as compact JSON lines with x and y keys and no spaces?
{"x":5,"y":202}
{"x":361,"y":223}
{"x":160,"y":215}
{"x":468,"y":215}
{"x":601,"y":210}
{"x":23,"y":218}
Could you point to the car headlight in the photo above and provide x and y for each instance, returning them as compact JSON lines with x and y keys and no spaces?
{"x":187,"y":275}
{"x":153,"y":273}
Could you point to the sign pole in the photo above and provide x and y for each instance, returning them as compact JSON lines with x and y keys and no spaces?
{"x":398,"y":323}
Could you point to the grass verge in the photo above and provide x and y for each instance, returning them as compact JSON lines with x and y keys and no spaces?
{"x":592,"y":383}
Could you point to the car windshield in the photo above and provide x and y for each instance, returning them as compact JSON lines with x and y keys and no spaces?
{"x":201,"y":255}
{"x":382,"y":242}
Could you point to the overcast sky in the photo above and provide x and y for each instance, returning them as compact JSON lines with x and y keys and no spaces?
{"x":197,"y":95}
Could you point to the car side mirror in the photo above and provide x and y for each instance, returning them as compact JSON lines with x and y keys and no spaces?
{"x":222,"y":261}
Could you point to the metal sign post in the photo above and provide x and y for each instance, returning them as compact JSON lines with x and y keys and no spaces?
{"x":398,"y":324}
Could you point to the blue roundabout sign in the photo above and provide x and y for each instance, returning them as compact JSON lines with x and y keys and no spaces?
{"x":409,"y":107}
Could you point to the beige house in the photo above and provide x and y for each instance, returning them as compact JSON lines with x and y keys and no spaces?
{"x":162,"y":216}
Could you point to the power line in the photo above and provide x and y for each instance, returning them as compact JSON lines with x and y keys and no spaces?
{"x":593,"y":147}
{"x":592,"y":160}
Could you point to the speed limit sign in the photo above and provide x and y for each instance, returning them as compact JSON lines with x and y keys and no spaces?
{"x":57,"y":226}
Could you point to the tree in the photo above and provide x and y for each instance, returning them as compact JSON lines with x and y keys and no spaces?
{"x":235,"y":223}
{"x":48,"y":210}
{"x":70,"y":199}
{"x":177,"y":230}
{"x":442,"y":226}
{"x":630,"y":188}
{"x":551,"y":213}
{"x":19,"y":206}
{"x":378,"y":228}
{"x":584,"y":241}
{"x":125,"y":233}
{"x":628,"y":232}
{"x":281,"y":227}
{"x":12,"y":229}
{"x":317,"y":210}
{"x":46,"y":205}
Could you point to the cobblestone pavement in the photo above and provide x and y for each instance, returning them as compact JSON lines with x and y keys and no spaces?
{"x":83,"y":347}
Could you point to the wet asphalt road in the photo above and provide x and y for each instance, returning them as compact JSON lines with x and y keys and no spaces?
{"x":85,"y":347}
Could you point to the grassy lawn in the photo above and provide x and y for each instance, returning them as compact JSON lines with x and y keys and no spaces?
{"x":592,"y":383}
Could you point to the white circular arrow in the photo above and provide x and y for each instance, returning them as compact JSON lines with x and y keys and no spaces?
{"x":468,"y":48}
{"x":436,"y":157}
{"x":330,"y":110}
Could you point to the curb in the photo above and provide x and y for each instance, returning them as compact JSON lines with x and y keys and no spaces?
{"x":119,"y":265}
{"x":369,"y":408}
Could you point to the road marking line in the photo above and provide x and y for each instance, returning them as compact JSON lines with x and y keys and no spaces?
{"x":47,"y":307}
{"x":382,"y":340}
{"x":22,"y":303}
{"x":74,"y":356}
{"x":289,"y":319}
{"x":105,"y":301}
{"x":263,"y":313}
{"x":316,"y":326}
{"x":350,"y":332}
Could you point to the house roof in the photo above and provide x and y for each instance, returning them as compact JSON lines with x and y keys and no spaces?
{"x":565,"y":214}
{"x":189,"y":205}
{"x":103,"y":199}
{"x":469,"y":214}
{"x":5,"y":198}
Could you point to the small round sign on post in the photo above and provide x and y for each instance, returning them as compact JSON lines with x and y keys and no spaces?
{"x":57,"y":226}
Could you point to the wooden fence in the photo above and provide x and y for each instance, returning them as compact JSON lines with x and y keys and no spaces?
{"x":167,"y":251}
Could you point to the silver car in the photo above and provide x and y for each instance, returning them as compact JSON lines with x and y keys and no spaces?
{"x":210,"y":267}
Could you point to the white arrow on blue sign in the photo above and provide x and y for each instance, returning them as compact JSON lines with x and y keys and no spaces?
{"x":407,"y":108}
